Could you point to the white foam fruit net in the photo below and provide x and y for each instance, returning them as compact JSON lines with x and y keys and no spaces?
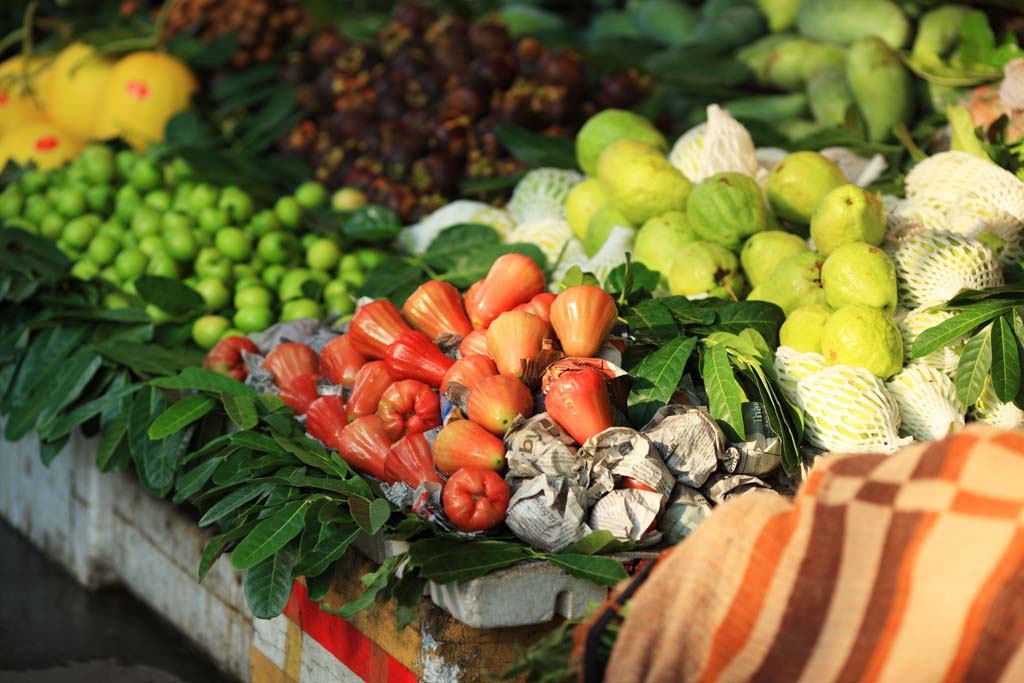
{"x":932,"y":266}
{"x":791,"y":366}
{"x":912,"y":323}
{"x":928,"y":404}
{"x":722,"y":144}
{"x":550,"y":234}
{"x":961,"y":193}
{"x":612,"y":254}
{"x":990,"y":409}
{"x":417,"y":237}
{"x":541,"y":193}
{"x":848,"y":409}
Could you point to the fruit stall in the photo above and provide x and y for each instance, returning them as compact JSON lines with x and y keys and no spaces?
{"x":381,"y":342}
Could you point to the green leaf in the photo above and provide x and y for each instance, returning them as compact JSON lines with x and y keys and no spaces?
{"x":408,"y":595}
{"x":148,"y":360}
{"x":372,"y":223}
{"x":725,"y":395}
{"x":960,"y":324}
{"x":656,"y":377}
{"x":268,"y":585}
{"x":761,"y":316}
{"x":596,"y":542}
{"x":50,"y":449}
{"x":536,"y":150}
{"x":317,"y":587}
{"x":270,"y":535}
{"x":333,"y":542}
{"x":179,"y":415}
{"x":254,"y":441}
{"x":201,"y":379}
{"x":241,"y":410}
{"x":687,"y":312}
{"x":453,"y":242}
{"x":444,"y":561}
{"x":216,"y":445}
{"x":169,"y":294}
{"x":375,"y":582}
{"x":188,"y":129}
{"x":192,"y":481}
{"x":1006,"y":373}
{"x":218,"y":544}
{"x":62,"y":424}
{"x":112,"y":437}
{"x":72,"y":374}
{"x":974,"y":366}
{"x":370,"y":515}
{"x":233,"y":501}
{"x":651,"y":322}
{"x":604,"y":571}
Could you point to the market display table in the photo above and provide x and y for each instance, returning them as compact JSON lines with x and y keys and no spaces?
{"x":103,"y":529}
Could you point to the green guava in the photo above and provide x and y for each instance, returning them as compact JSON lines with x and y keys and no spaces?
{"x":727,"y":208}
{"x":797,"y":183}
{"x":847,"y":214}
{"x":608,"y":126}
{"x":582,"y":203}
{"x":600,"y":226}
{"x":660,"y":239}
{"x":802,"y":329}
{"x":706,"y":268}
{"x":765,"y":250}
{"x":640,"y":182}
{"x":859,"y":273}
{"x":795,"y":282}
{"x":863,"y":336}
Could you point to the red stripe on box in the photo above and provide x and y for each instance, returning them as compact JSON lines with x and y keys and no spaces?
{"x":351,"y":647}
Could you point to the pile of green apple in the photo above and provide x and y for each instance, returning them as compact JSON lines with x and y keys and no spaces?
{"x":120,"y":215}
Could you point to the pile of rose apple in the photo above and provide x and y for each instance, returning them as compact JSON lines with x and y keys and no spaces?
{"x":430,"y":389}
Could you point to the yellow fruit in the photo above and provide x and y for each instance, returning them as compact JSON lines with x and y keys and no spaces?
{"x":21,"y":90}
{"x":78,"y":80}
{"x":144,"y":91}
{"x":43,"y":143}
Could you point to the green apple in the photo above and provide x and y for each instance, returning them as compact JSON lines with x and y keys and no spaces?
{"x":207,"y":330}
{"x":161,"y":263}
{"x":103,"y":249}
{"x":233,"y":243}
{"x":348,"y":199}
{"x":255,"y":319}
{"x":212,"y":263}
{"x":311,"y":195}
{"x":272,"y":275}
{"x":323,"y":254}
{"x":130,"y":264}
{"x":277,"y":247}
{"x":300,"y":308}
{"x":253,"y":296}
{"x":236,"y":203}
{"x":145,"y":221}
{"x":214,"y":292}
{"x":288,"y":211}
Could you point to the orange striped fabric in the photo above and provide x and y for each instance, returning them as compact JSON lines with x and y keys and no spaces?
{"x":905,"y":569}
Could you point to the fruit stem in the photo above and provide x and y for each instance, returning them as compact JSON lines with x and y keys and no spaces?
{"x":903,"y":135}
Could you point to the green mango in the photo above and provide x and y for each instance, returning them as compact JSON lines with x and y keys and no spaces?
{"x":844,"y":21}
{"x":938,"y":30}
{"x":829,"y":97}
{"x":881,"y":86}
{"x":786,"y":61}
{"x":781,"y":13}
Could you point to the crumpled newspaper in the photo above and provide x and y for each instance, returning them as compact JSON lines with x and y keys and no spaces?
{"x":424,"y":501}
{"x":629,"y":514}
{"x":721,"y":487}
{"x":259,"y":378}
{"x":761,"y":453}
{"x":301,"y":330}
{"x":690,"y":441}
{"x":623,"y":452}
{"x":548,"y":512}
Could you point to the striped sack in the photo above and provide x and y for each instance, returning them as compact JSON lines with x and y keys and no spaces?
{"x":906,"y":568}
